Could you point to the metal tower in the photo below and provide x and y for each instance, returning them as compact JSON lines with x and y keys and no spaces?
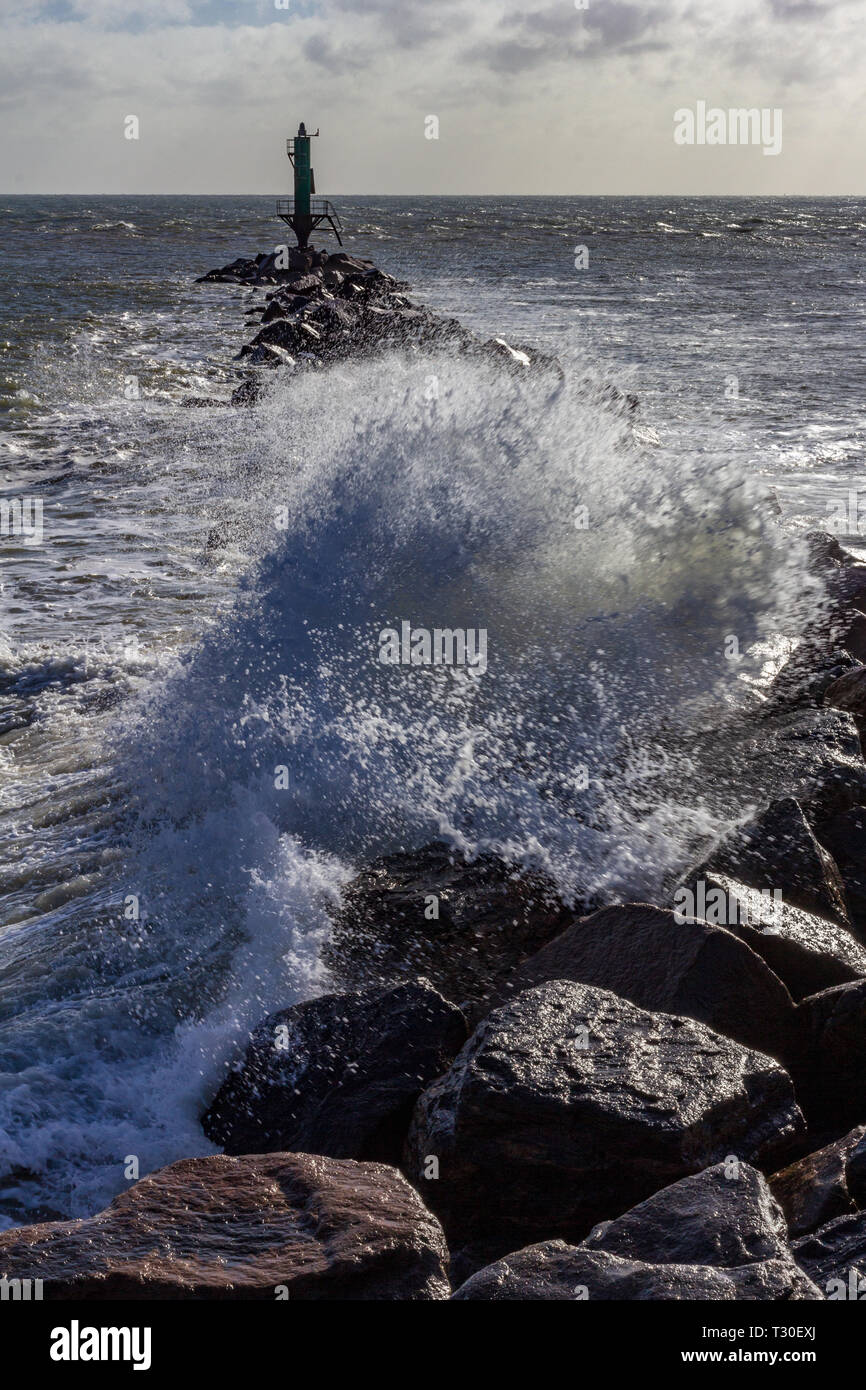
{"x":304,"y":212}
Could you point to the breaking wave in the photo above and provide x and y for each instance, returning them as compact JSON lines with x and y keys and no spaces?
{"x":281,"y":752}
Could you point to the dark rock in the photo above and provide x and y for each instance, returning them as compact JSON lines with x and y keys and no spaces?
{"x":248,"y":393}
{"x":203,"y":402}
{"x":806,"y":676}
{"x":292,"y":335}
{"x":488,"y":917}
{"x":825,"y":552}
{"x":816,"y":1188}
{"x":834,"y":1257}
{"x":848,"y":586}
{"x":305,"y":285}
{"x":337,"y":1075}
{"x":778,"y":850}
{"x":849,"y":692}
{"x":240,"y":1228}
{"x":806,"y":952}
{"x":287,"y":306}
{"x":725,"y":1216}
{"x":831,"y":1072}
{"x":343,"y":261}
{"x":844,"y":836}
{"x":554,"y":1271}
{"x":569,"y":1105}
{"x":645,"y":955}
{"x":851,"y":633}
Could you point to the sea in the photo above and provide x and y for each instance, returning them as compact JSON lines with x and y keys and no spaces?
{"x":199,"y":745}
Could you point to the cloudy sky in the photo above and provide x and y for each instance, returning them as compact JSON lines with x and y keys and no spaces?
{"x":539,"y":97}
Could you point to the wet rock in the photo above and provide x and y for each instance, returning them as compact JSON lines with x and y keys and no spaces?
{"x":851,"y":634}
{"x":834,"y":1257}
{"x":337,"y":1075}
{"x":244,"y":268}
{"x":291,"y":335}
{"x":645,"y":955}
{"x":818,"y":1188}
{"x":831,"y":1071}
{"x":305,"y":285}
{"x":243,"y":1228}
{"x":778,"y":850}
{"x":569,"y":1105}
{"x":848,"y":692}
{"x":844,"y":836}
{"x":203,"y":403}
{"x":343,"y":261}
{"x":725,"y":1216}
{"x":808,"y":674}
{"x":807,"y":953}
{"x":824,"y":551}
{"x":248,"y":393}
{"x":287,"y":306}
{"x":849,"y":586}
{"x":428,"y":912}
{"x":553,"y":1272}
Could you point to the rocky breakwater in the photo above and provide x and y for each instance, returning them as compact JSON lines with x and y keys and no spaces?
{"x":527,"y":1099}
{"x":321,"y":308}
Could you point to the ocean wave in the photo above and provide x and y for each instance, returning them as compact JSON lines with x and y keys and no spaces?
{"x":280,"y":752}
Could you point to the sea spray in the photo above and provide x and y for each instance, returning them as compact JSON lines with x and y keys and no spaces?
{"x":280,"y":753}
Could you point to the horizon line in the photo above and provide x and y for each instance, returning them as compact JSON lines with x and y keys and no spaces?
{"x":91,"y":193}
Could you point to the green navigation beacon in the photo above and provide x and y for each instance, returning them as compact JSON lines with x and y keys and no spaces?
{"x":305,"y":211}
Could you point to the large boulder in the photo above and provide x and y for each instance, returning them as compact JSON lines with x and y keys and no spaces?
{"x":337,"y":1075}
{"x":806,"y":952}
{"x":553,"y":1272}
{"x":724,"y":1216}
{"x":848,"y":692}
{"x":261,"y":1227}
{"x":778,"y":850}
{"x":830,"y":1071}
{"x":645,"y":955}
{"x":568,"y":1105}
{"x":428,"y":912}
{"x":828,"y":1183}
{"x":843,"y":832}
{"x":834,"y":1257}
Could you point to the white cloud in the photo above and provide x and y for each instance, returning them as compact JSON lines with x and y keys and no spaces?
{"x":533,"y":98}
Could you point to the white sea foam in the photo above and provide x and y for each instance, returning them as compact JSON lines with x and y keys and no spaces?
{"x":449,"y":493}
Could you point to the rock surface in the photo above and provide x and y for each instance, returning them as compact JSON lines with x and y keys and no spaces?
{"x":778,"y":850}
{"x":243,"y":1228}
{"x":806,"y":952}
{"x":828,"y":1183}
{"x":645,"y":955}
{"x":725,"y":1216}
{"x":490,"y":917}
{"x":332,"y":307}
{"x":834,"y":1257}
{"x":848,"y":692}
{"x":337,"y":1075}
{"x":831,"y":1070}
{"x":553,"y":1272}
{"x":844,"y":835}
{"x":569,"y":1105}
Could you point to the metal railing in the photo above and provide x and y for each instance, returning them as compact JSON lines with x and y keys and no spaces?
{"x":319,"y":207}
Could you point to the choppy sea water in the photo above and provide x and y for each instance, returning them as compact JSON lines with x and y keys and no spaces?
{"x":163,"y":884}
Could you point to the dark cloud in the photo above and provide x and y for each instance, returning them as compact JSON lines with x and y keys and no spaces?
{"x":798,"y":9}
{"x":407,"y":23}
{"x":560,"y":33}
{"x":349,"y":58}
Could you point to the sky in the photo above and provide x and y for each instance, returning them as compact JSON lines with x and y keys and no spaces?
{"x":544,"y":97}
